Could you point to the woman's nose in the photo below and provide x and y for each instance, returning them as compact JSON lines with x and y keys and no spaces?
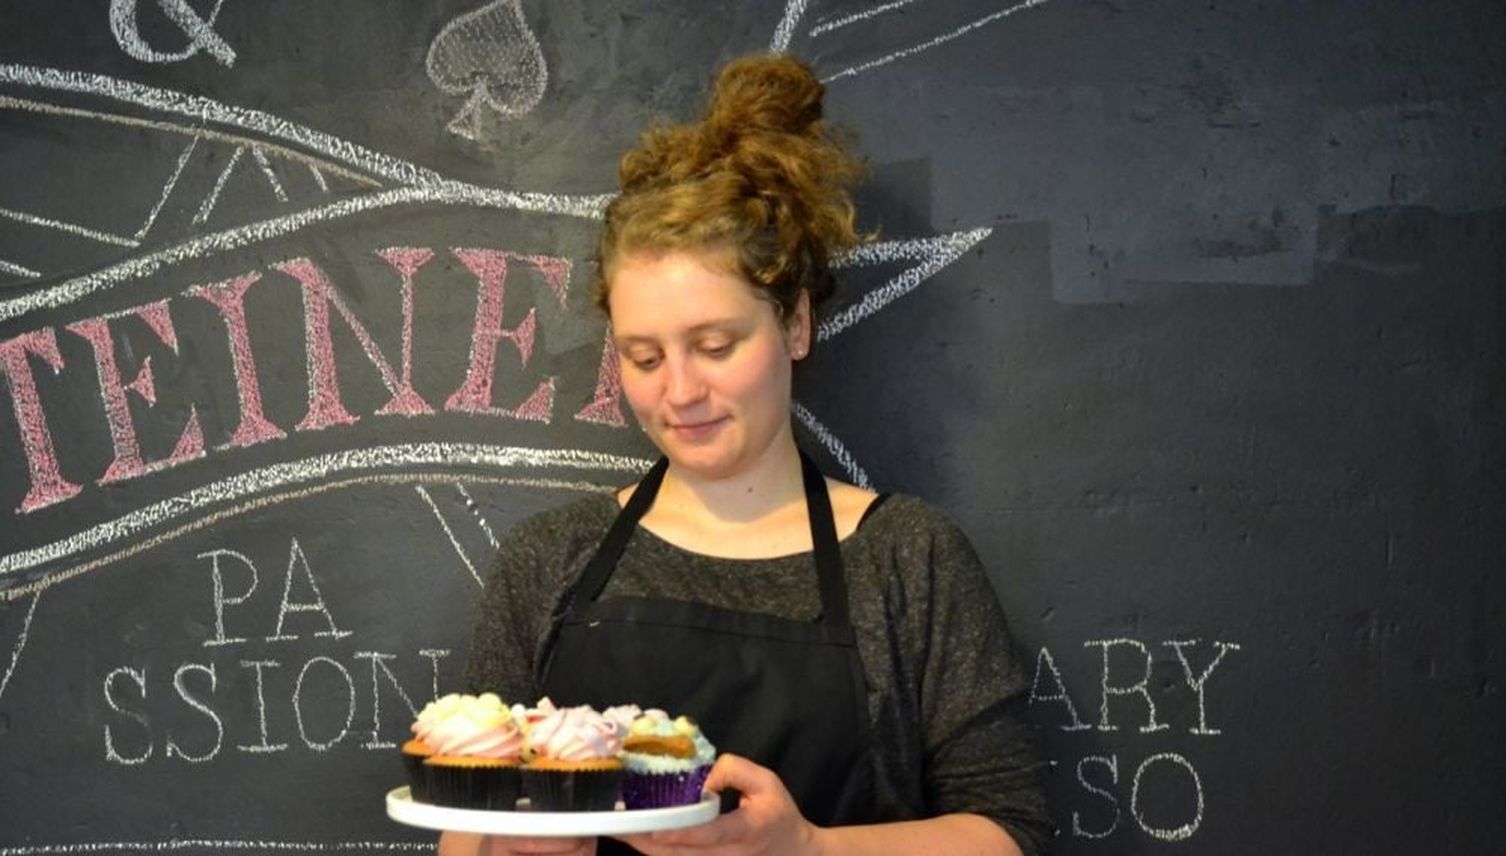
{"x":685,"y":383}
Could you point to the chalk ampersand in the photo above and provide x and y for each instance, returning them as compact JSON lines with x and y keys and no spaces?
{"x":200,"y":31}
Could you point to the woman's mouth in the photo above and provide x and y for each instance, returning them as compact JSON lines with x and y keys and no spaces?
{"x":696,"y":431}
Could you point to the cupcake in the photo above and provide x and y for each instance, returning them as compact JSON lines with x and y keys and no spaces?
{"x":417,"y":750}
{"x":476,"y":751}
{"x":667,"y":761}
{"x":574,"y":763}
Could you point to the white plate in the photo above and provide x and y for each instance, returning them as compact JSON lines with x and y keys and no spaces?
{"x":402,"y":808}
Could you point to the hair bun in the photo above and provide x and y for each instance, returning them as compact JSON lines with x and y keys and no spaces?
{"x":770,"y":93}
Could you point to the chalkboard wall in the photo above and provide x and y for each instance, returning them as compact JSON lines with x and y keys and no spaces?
{"x":1191,"y":313}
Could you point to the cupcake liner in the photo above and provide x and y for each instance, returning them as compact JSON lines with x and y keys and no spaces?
{"x":495,"y":788}
{"x":572,"y":790}
{"x":663,"y":790}
{"x":418,"y":776}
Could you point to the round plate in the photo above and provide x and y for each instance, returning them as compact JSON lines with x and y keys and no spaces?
{"x":402,"y":808}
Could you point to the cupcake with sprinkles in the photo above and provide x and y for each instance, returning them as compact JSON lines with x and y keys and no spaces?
{"x":574,"y":761}
{"x":477,"y":748}
{"x":667,"y":761}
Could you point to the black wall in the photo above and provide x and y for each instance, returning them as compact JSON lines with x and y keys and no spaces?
{"x":1191,"y":313}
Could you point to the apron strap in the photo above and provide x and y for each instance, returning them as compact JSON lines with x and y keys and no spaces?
{"x":594,"y":578}
{"x":828,"y":553}
{"x":829,"y":573}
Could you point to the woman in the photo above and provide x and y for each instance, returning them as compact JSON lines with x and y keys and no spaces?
{"x":844,"y":649}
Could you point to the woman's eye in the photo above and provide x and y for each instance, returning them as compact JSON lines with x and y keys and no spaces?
{"x":717,"y":350}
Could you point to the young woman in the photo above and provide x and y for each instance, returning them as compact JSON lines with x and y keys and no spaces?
{"x":844,"y":649}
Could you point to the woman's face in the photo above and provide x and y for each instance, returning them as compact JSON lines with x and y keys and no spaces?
{"x":705,"y":361}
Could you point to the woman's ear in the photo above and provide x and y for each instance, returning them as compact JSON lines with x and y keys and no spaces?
{"x":797,"y":332}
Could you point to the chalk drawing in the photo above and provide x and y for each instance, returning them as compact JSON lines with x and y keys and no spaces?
{"x":448,"y":533}
{"x":350,"y":708}
{"x":793,"y":11}
{"x":214,"y":194}
{"x":1044,"y":664}
{"x":77,"y":288}
{"x":18,"y":270}
{"x":319,"y":178}
{"x":486,"y":528}
{"x":167,"y":188}
{"x":1111,"y":762}
{"x":193,"y":502}
{"x":606,"y":404}
{"x":963,"y":30}
{"x":1141,"y":687}
{"x":832,"y":445}
{"x":111,"y":753}
{"x":70,"y":228}
{"x":211,"y":845}
{"x":376,"y":659}
{"x":827,"y":25}
{"x":229,"y":298}
{"x":933,"y":253}
{"x":173,"y":749}
{"x":20,"y":645}
{"x":200,"y":32}
{"x":195,"y":131}
{"x":297,"y":559}
{"x":45,"y":582}
{"x":261,"y":708}
{"x":266,"y":168}
{"x":491,"y":56}
{"x":220,"y":599}
{"x":1198,"y":683}
{"x":1179,"y":833}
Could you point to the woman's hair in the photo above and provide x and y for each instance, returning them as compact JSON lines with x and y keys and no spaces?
{"x":758,"y":181}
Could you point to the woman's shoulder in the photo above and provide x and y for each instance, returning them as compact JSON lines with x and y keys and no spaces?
{"x":583,"y":518}
{"x":907,"y":517}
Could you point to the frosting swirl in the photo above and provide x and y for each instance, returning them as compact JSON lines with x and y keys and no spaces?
{"x":477,"y":726}
{"x":575,"y":734}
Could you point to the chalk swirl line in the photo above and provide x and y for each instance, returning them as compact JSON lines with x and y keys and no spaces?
{"x":419,"y":185}
{"x":202,"y":499}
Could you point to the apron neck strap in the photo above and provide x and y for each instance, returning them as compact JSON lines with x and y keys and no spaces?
{"x":828,"y":553}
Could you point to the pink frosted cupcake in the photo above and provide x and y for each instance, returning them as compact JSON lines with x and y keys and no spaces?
{"x":477,"y":748}
{"x":574,"y":763}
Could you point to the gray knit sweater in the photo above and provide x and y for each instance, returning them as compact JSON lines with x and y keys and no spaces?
{"x":944,"y":687}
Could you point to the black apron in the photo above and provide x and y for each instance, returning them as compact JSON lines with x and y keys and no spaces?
{"x":789,"y":695}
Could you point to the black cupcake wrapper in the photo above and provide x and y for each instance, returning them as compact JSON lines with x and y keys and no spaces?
{"x":572,"y":790}
{"x":491,"y":788}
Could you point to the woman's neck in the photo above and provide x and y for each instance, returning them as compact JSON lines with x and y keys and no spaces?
{"x":773,"y":484}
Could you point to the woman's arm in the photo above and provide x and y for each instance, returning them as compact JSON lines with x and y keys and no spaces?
{"x":470,"y":844}
{"x":767,"y":821}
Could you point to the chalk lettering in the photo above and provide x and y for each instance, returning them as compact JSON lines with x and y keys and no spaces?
{"x":377,"y":665}
{"x":350,"y":707}
{"x":1140,"y":687}
{"x":1200,"y":681}
{"x":47,"y":483}
{"x":1178,"y":833}
{"x":111,"y":753}
{"x":475,"y":395}
{"x":1111,"y":763}
{"x":181,"y":685}
{"x":220,"y":600}
{"x":296,"y":559}
{"x":1043,"y":664}
{"x":229,"y":297}
{"x":129,"y":462}
{"x":261,"y":707}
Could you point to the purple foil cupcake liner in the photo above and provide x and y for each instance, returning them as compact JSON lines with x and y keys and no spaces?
{"x":663,"y":790}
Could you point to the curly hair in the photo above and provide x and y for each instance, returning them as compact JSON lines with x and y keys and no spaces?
{"x":759,"y":182}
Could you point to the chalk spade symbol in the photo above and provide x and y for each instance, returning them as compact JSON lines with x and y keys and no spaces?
{"x":490,"y":56}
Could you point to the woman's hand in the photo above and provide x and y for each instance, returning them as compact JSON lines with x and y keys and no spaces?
{"x":766,"y":819}
{"x":468,"y":844}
